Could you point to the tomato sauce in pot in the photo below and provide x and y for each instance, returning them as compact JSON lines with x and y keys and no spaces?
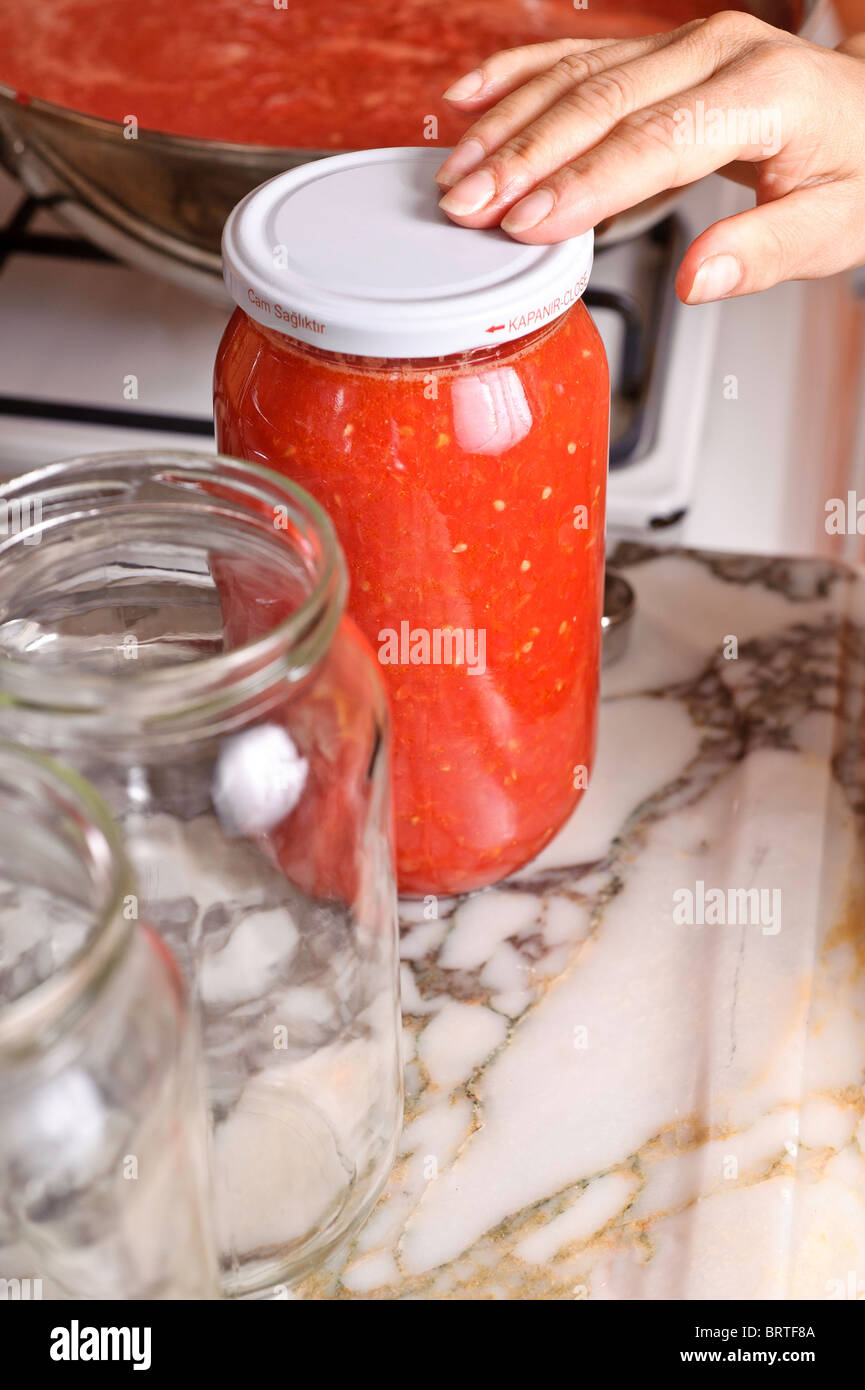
{"x":345,"y":74}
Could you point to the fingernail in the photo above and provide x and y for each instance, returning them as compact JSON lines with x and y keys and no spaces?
{"x":469,"y":195}
{"x":717,"y":277}
{"x":530,"y":211}
{"x":464,"y":87}
{"x":467,"y":156}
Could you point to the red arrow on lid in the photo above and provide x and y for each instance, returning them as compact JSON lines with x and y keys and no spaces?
{"x":495,"y":328}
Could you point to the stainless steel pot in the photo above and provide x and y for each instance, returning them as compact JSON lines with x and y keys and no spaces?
{"x":160,"y":201}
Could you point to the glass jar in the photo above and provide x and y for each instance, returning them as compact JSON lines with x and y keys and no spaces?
{"x":444,"y":394}
{"x":173,"y":624}
{"x":103,"y":1136}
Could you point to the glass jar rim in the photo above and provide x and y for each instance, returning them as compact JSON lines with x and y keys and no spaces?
{"x":155,"y":697}
{"x":464,"y":359}
{"x":30,"y":1022}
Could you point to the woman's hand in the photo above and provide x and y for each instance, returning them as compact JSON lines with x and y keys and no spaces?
{"x":576,"y":131}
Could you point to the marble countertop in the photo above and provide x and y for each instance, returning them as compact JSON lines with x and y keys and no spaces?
{"x":607,"y":1099}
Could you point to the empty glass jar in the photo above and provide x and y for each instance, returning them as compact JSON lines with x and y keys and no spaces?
{"x":173,"y":624}
{"x":103,"y":1136}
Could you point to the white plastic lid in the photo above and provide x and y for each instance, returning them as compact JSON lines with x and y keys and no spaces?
{"x":353,"y":254}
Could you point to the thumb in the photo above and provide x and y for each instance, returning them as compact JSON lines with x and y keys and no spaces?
{"x":809,"y":233}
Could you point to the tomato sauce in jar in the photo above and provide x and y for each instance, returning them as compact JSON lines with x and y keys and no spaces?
{"x":444,"y":394}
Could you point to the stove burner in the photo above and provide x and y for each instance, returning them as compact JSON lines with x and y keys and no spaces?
{"x":17,"y":238}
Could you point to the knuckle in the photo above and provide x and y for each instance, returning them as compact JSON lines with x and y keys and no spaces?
{"x":555,"y":81}
{"x":607,"y":94}
{"x":728,"y":31}
{"x":575,"y":67}
{"x":652,"y":131}
{"x":571,"y":177}
{"x":506,"y":61}
{"x":733,"y":24}
{"x":693,"y":26}
{"x":515,"y":163}
{"x":770,"y":56}
{"x":656,"y":126}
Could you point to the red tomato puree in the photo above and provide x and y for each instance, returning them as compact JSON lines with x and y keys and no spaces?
{"x":477,"y":505}
{"x":315,"y":74}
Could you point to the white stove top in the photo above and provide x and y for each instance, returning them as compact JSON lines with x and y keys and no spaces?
{"x":77,"y":332}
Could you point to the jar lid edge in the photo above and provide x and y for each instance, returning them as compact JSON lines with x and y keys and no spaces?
{"x":352,"y":254}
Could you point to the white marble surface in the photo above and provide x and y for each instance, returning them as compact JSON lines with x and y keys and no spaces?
{"x":604,"y":1103}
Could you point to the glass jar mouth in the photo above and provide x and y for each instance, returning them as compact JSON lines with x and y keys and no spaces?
{"x":59,"y":516}
{"x":53,"y":806}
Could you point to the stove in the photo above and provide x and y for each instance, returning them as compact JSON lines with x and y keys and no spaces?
{"x":728,"y":421}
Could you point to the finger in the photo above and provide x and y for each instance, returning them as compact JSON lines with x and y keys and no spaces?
{"x":582,"y":96}
{"x":811,"y":232}
{"x":650,"y":151}
{"x":588,"y":110}
{"x":511,"y":68}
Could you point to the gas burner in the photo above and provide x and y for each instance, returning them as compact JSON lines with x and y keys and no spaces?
{"x":19,"y":237}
